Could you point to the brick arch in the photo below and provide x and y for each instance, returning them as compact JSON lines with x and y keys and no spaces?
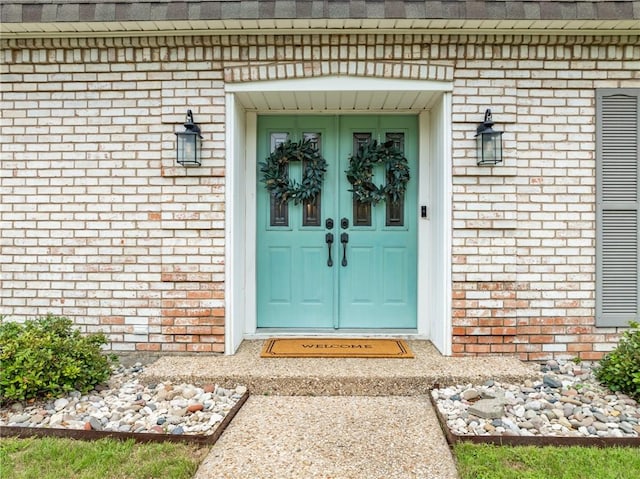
{"x":440,"y":71}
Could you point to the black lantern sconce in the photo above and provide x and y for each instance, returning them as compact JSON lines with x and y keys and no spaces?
{"x":488,"y":142}
{"x":189,"y":143}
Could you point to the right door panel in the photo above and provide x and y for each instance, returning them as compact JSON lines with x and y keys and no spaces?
{"x":378,"y":284}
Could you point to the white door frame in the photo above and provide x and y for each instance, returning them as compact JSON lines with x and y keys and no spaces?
{"x":434,"y":192}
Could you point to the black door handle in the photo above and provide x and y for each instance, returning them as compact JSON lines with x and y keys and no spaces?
{"x":344,"y":239}
{"x":329,"y":240}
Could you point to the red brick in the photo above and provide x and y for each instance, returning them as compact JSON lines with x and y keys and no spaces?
{"x":503,"y":348}
{"x":579,"y":347}
{"x":187,"y":338}
{"x":478,"y":348}
{"x":490,"y":321}
{"x":112,"y":320}
{"x":504,"y":331}
{"x":199,"y":330}
{"x":592,"y":356}
{"x":147,"y":347}
{"x":543,"y":339}
{"x":490,"y":339}
{"x":457,"y":348}
{"x":174,"y":330}
{"x":199,"y":294}
{"x":478,"y":331}
{"x":465,"y":339}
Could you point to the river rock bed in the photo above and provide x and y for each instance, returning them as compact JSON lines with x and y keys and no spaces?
{"x":125,"y":405}
{"x":566,"y":400}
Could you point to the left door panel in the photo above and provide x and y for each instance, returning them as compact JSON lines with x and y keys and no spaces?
{"x":296,"y":287}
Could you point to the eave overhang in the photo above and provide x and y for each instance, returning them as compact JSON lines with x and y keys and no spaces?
{"x":314,"y":26}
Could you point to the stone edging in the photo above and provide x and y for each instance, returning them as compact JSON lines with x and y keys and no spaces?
{"x":531,"y":440}
{"x":25,"y":432}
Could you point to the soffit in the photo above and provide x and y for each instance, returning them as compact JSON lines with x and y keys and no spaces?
{"x":33,"y":18}
{"x":339,"y":94}
{"x":338,"y":101}
{"x":309,"y":26}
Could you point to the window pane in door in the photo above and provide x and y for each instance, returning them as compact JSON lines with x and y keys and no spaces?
{"x":395,"y":211}
{"x":361,"y":210}
{"x":279,"y":211}
{"x":311,"y":208}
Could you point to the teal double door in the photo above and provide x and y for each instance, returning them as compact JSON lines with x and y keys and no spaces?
{"x":336,"y":263}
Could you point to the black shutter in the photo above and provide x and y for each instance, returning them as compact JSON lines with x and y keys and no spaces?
{"x":618,"y":217}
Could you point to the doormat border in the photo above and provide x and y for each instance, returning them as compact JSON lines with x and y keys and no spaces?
{"x":82,"y":435}
{"x":404,"y":352}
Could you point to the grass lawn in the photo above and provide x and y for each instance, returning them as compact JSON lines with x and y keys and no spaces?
{"x":52,"y":458}
{"x":479,"y":461}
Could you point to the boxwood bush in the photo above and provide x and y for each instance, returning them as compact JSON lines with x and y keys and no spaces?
{"x":47,"y":357}
{"x":620,"y":369}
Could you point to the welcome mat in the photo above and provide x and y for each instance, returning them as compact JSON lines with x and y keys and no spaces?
{"x":335,"y":348}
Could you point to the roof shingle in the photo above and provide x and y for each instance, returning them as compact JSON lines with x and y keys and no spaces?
{"x":39,"y":11}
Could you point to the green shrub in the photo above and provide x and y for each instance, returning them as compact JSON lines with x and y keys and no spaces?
{"x":47,"y":357}
{"x":620,"y":369}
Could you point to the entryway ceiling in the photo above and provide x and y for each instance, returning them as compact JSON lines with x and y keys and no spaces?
{"x":340,"y":94}
{"x":338,"y":101}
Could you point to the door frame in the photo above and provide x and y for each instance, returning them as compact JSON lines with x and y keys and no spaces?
{"x":434,"y":192}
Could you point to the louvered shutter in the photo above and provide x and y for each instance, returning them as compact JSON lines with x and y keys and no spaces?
{"x":618,"y":212}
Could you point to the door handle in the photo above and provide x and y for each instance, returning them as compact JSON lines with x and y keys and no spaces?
{"x":329,"y":240}
{"x":344,"y":239}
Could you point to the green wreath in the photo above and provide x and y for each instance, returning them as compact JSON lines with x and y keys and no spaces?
{"x":360,"y":173}
{"x":276,"y":172}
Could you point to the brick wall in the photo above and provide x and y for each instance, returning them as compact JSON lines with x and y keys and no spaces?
{"x":99,"y":224}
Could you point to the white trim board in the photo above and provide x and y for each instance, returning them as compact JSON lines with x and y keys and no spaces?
{"x":340,"y":83}
{"x":434,"y":191}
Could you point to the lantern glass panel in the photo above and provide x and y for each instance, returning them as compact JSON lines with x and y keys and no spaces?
{"x":489,"y":146}
{"x":188,"y":152}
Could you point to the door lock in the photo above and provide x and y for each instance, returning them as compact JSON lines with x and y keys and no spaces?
{"x":329,"y":223}
{"x":344,"y":223}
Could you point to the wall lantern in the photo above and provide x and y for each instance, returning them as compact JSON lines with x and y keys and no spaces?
{"x":189,"y":143}
{"x":488,"y":142}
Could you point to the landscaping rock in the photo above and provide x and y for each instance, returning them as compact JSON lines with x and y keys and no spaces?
{"x":487,"y":408}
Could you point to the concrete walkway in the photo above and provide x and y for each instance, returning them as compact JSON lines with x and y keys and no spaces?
{"x":333,"y":418}
{"x":345,"y":437}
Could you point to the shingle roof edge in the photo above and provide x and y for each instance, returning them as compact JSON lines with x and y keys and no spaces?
{"x":45,"y":11}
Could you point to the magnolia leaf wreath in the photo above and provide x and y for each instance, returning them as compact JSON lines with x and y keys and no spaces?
{"x":276,"y":171}
{"x":360,"y":173}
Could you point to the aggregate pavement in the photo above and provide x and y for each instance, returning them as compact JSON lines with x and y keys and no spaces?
{"x":344,"y":418}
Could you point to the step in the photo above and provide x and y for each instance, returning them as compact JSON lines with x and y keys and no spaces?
{"x":336,"y":376}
